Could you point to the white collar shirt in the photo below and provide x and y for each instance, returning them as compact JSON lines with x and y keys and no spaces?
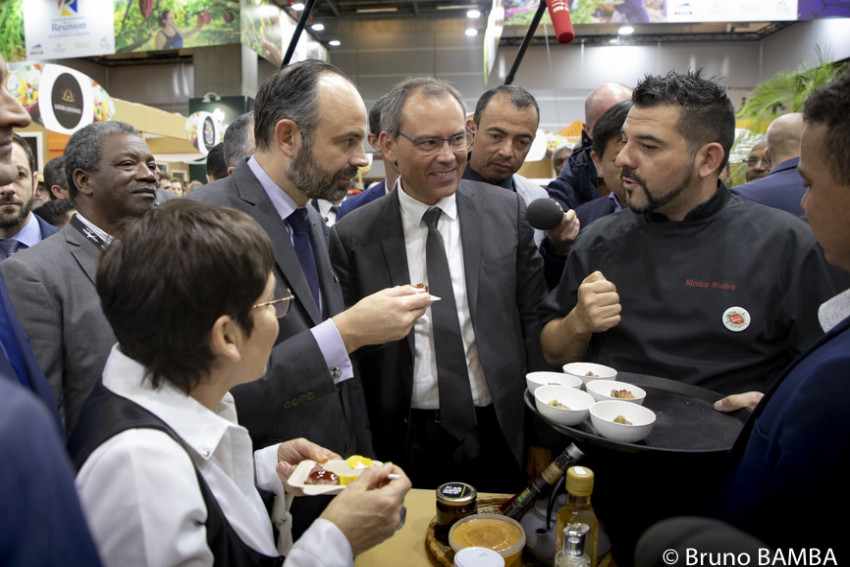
{"x":425,"y":383}
{"x":140,"y":492}
{"x":834,"y":310}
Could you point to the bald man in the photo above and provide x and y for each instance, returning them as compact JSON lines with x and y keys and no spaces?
{"x":783,"y":187}
{"x":577,"y":182}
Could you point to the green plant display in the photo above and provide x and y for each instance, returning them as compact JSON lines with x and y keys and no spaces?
{"x":786,"y":91}
{"x":12,"y":44}
{"x":136,"y":22}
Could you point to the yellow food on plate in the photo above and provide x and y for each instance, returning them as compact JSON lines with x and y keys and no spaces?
{"x":622,"y":419}
{"x":358,"y":462}
{"x":623,"y":394}
{"x":559,"y":405}
{"x":345,"y":480}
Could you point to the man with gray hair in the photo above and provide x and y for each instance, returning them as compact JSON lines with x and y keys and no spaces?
{"x":782,"y":188}
{"x":239,"y":141}
{"x":445,"y":400}
{"x":111,"y":178}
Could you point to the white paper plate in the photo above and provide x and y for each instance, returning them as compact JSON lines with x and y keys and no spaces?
{"x":341,"y":468}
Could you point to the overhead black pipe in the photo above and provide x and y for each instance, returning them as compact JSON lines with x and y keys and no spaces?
{"x":526,"y":41}
{"x":296,"y":35}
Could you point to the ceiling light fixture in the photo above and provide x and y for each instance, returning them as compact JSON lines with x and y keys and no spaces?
{"x":334,"y":43}
{"x":386,"y":10}
{"x":458,"y":7}
{"x":471,"y":32}
{"x":473,"y":14}
{"x":318,"y":27}
{"x":298,"y":6}
{"x":626,"y":30}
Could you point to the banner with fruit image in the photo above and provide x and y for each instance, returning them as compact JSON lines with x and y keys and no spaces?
{"x":61,"y":29}
{"x":60,"y":98}
{"x":145,"y":25}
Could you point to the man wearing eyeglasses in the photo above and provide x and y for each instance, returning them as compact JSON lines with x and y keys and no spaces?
{"x":782,"y":188}
{"x":445,"y":402}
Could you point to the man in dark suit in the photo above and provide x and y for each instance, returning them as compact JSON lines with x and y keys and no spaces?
{"x":446,"y":401}
{"x":782,"y":188}
{"x":309,"y":125}
{"x":111,"y":175}
{"x":19,"y":227}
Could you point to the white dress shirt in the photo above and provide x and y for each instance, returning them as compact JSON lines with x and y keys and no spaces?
{"x":425,"y":387}
{"x":141,"y":496}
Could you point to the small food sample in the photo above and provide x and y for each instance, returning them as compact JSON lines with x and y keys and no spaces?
{"x":623,"y":394}
{"x":621,"y":419}
{"x":559,"y":405}
{"x":420,"y":286}
{"x":591,"y":374}
{"x":319,"y":475}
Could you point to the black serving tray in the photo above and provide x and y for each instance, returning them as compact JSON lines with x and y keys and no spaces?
{"x":686,"y":421}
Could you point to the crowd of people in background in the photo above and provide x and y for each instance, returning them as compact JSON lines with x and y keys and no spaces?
{"x":193,"y":342}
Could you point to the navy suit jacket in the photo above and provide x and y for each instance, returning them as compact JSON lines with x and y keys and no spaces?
{"x":297,"y":397}
{"x":592,"y":210}
{"x":789,"y":465}
{"x":47,"y":229}
{"x":367,"y":196}
{"x":782,"y":188}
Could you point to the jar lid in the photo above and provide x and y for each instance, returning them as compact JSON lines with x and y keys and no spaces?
{"x":456,"y":493}
{"x":478,"y":557}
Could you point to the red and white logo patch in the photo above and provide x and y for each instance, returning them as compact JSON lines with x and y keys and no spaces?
{"x":736,"y":319}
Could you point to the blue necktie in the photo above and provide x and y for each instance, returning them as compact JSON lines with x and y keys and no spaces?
{"x":10,"y":246}
{"x":11,"y":347}
{"x":304,"y":250}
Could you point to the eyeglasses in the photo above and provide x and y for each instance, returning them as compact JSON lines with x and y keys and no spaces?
{"x":432,"y":145}
{"x":281,"y":306}
{"x":754,"y":161}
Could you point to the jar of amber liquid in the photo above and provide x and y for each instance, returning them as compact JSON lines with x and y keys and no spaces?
{"x":455,"y":500}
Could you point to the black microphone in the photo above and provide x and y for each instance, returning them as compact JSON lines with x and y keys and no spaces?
{"x":544,"y":214}
{"x":559,"y":11}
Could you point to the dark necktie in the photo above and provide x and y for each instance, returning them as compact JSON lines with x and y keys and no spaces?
{"x":457,"y":411}
{"x":9,"y":247}
{"x":304,"y":250}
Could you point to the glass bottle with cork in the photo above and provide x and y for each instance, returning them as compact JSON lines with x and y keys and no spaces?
{"x":579,"y":486}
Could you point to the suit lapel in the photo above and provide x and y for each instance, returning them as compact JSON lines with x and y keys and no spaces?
{"x":84,"y":252}
{"x":391,"y":236}
{"x":262,"y":210}
{"x":471,"y":227}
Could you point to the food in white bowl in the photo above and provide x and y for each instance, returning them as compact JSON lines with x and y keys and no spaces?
{"x":588,"y":371}
{"x":534,"y":380}
{"x":604,"y":390}
{"x":562,"y":404}
{"x":622,"y":421}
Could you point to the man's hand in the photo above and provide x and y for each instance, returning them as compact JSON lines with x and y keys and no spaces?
{"x":292,"y":452}
{"x":368,"y":511}
{"x":386,"y":315}
{"x":561,"y":237}
{"x":598,"y":308}
{"x":735,"y":402}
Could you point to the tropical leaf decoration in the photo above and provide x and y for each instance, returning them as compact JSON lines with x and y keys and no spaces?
{"x":786,"y":92}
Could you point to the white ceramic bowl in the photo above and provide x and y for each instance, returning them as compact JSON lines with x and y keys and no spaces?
{"x":536,"y":379}
{"x":579,"y":403}
{"x":602,"y":415}
{"x":597,"y":371}
{"x":601,"y":391}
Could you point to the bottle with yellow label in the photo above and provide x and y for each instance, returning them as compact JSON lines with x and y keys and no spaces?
{"x":578,"y":510}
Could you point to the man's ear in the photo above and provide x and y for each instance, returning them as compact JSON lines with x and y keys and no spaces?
{"x":388,"y":147}
{"x":470,"y":123}
{"x":82,"y":179}
{"x":226,"y":339}
{"x":709,"y":159}
{"x":596,"y":159}
{"x":287,"y":137}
